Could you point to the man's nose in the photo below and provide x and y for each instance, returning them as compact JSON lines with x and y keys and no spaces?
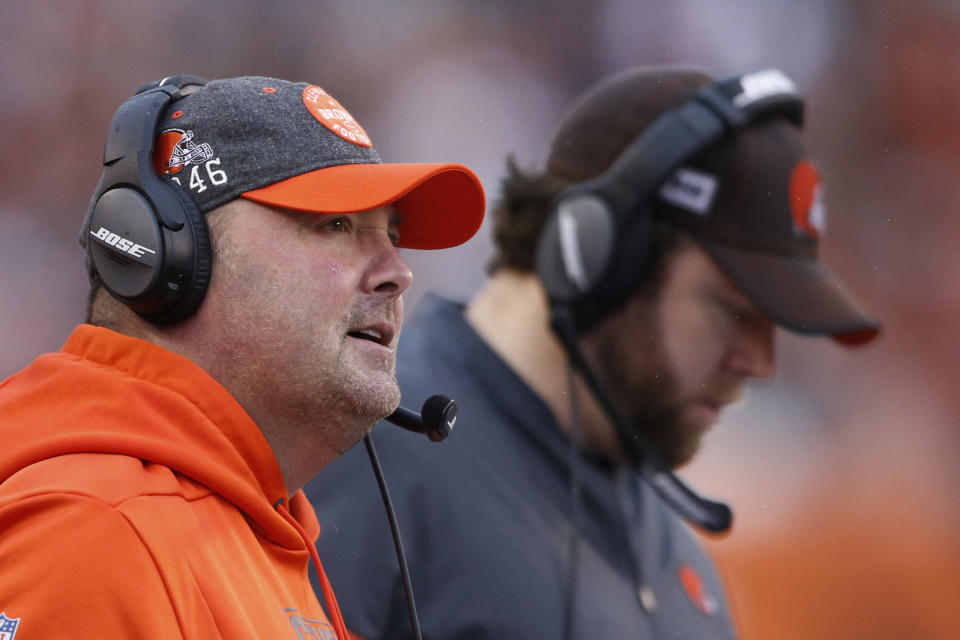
{"x":388,"y":271}
{"x":753,"y":355}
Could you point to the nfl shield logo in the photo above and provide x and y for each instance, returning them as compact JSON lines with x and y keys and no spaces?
{"x":8,"y":627}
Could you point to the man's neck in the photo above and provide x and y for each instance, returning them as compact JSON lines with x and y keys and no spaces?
{"x":291,"y":431}
{"x":512,"y":315}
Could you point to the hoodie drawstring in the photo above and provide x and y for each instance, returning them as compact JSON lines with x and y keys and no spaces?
{"x":335,"y":616}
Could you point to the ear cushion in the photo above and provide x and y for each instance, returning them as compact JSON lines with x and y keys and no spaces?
{"x":202,"y":265}
{"x":188,"y":265}
{"x":160,"y":273}
{"x":574,"y":249}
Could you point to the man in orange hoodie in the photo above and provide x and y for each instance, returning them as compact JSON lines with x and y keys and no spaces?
{"x":243,"y":317}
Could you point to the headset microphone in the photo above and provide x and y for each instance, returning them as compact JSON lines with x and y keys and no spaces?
{"x":435,"y":420}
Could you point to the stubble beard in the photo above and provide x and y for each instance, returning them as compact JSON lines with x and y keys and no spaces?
{"x":675,"y":439}
{"x":649,"y":396}
{"x":352,"y":395}
{"x":304,"y":383}
{"x":315,"y":385}
{"x":353,"y":404}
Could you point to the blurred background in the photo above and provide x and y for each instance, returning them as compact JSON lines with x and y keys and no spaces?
{"x":842,"y":470}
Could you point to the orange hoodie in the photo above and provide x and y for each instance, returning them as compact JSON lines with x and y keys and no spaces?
{"x":139,"y":500}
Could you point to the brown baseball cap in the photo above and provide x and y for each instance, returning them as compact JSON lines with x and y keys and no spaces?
{"x":752,"y":201}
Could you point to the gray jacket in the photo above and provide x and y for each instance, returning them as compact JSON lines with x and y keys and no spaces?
{"x":486,"y":519}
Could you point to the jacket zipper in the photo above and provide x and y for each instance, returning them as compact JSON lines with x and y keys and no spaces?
{"x":627,"y":501}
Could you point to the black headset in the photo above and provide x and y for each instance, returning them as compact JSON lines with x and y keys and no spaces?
{"x":147,"y":239}
{"x":596,"y":244}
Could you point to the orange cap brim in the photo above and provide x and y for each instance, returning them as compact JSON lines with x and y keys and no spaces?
{"x":441,"y":205}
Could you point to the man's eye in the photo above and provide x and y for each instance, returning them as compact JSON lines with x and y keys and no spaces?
{"x":741,"y":315}
{"x":338,"y":223}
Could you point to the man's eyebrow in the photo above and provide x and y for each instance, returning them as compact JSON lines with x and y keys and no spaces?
{"x":309,"y":219}
{"x":736,"y":302}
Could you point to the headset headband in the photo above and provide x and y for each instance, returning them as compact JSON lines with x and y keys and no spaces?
{"x":713,"y":112}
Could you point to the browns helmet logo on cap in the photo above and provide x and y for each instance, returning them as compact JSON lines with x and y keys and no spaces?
{"x":806,"y":200}
{"x":176,"y":149}
{"x":333,"y":116}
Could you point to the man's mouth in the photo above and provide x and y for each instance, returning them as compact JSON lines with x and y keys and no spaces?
{"x":716,"y":403}
{"x":381,"y":333}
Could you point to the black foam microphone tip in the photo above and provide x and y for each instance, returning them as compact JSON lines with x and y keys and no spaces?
{"x":439,"y":416}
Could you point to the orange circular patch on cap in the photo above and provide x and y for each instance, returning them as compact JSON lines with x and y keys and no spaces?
{"x":806,"y":205}
{"x":163,"y":162}
{"x":333,"y":116}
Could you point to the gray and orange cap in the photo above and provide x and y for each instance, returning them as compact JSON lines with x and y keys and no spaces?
{"x":752,"y":202}
{"x":292,"y":145}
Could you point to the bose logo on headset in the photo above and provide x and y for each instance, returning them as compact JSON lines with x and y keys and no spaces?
{"x":119,"y":242}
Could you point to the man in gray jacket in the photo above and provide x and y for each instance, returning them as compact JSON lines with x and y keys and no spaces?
{"x":674,"y":227}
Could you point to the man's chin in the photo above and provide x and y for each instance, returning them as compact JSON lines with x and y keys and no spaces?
{"x":685,"y":456}
{"x":678,"y":440}
{"x":383,"y":403}
{"x":367,"y":412}
{"x":369,"y":398}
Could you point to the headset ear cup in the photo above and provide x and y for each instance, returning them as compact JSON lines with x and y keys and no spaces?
{"x":574,"y":250}
{"x":188,"y":264}
{"x":591,"y":260}
{"x":160,"y":273}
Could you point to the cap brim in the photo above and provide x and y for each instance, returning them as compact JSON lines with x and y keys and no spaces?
{"x":797,"y":293}
{"x":441,"y":205}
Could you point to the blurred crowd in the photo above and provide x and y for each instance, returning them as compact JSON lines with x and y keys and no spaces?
{"x":843,"y":473}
